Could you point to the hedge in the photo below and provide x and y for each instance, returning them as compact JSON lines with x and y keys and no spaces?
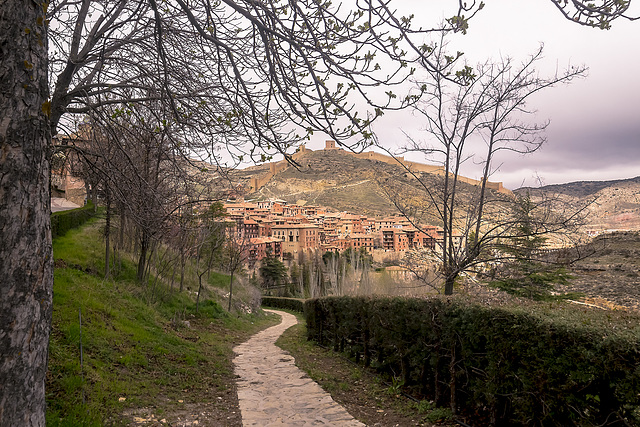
{"x":294,"y":304}
{"x":63,"y":221}
{"x":497,"y":366}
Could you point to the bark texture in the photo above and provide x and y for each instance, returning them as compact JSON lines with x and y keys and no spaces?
{"x":26,"y":267}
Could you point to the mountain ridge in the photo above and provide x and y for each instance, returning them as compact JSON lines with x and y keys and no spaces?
{"x":343,"y":182}
{"x":582,"y":188}
{"x":611,"y":205}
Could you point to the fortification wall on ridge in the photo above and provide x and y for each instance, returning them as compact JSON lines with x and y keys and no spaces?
{"x":275,"y":168}
{"x":282,"y":165}
{"x":421,"y":167}
{"x":414,"y":166}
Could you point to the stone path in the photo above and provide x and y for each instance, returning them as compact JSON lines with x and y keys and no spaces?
{"x":272,"y":391}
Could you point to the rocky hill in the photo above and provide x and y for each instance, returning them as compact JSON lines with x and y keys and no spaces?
{"x":343,"y":182}
{"x":612,"y":205}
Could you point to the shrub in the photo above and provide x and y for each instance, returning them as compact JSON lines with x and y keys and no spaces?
{"x":294,"y":304}
{"x":63,"y":221}
{"x":532,"y":365}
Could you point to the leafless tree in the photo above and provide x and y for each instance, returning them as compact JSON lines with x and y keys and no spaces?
{"x":234,"y":257}
{"x":209,"y":240}
{"x":235,"y":72}
{"x":472,"y":115}
{"x":131,"y":150}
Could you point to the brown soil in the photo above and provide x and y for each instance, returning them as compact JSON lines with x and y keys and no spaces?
{"x":610,"y":276}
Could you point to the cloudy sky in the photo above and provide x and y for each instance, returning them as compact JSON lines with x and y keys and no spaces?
{"x":595,"y":122}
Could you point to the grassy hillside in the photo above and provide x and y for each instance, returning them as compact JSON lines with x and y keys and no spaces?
{"x":146,"y":354}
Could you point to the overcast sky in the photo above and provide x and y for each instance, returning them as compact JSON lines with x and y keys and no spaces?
{"x":595,"y":122}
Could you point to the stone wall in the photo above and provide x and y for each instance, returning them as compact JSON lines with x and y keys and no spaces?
{"x":282,"y":165}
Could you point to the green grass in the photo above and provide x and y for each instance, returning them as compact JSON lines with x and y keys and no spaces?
{"x":135,"y":352}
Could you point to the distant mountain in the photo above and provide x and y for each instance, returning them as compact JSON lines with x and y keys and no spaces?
{"x":585,"y":188}
{"x":615,"y":205}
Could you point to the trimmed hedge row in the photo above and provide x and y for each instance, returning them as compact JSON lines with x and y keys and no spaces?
{"x":498,"y":366}
{"x":63,"y":221}
{"x":294,"y":304}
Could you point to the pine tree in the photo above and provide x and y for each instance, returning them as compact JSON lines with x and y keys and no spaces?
{"x":526,"y":273}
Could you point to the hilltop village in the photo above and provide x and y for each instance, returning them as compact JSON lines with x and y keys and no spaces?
{"x":285,"y":230}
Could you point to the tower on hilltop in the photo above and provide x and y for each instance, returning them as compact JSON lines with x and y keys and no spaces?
{"x":330,"y":145}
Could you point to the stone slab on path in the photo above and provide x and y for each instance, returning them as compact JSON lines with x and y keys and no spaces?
{"x":272,"y":391}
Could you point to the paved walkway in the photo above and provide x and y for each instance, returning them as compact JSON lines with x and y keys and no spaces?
{"x":273,"y":392}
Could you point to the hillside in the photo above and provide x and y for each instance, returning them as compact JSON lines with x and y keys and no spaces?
{"x":343,"y":182}
{"x":611,"y":272}
{"x":122,"y":353}
{"x":612,"y":205}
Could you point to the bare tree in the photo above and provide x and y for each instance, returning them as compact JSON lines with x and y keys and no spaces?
{"x":131,"y":148}
{"x":471,"y":116}
{"x":234,"y":71}
{"x":209,"y":241}
{"x":234,"y":257}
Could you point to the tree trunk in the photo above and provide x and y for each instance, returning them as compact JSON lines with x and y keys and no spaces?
{"x":122,"y":225}
{"x":94,"y":197}
{"x":199,"y":290}
{"x":142,"y":259}
{"x":452,"y":380}
{"x":173,"y":276}
{"x":26,"y":257}
{"x":183,"y":262}
{"x":107,"y":234}
{"x":449,"y":281}
{"x":231,"y":289}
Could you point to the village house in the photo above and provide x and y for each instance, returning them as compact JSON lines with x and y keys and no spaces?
{"x":356,"y":241}
{"x":297,"y":237}
{"x":264,"y":226}
{"x":261,"y":247}
{"x":67,"y":169}
{"x":394,"y":240}
{"x":303,"y":230}
{"x":240,"y":208}
{"x":421,"y":239}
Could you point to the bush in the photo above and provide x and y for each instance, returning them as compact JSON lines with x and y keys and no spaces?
{"x":294,"y":304}
{"x":61,"y":222}
{"x":537,"y":365}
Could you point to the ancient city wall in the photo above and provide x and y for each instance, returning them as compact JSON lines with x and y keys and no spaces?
{"x":421,"y":167}
{"x":277,"y":167}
